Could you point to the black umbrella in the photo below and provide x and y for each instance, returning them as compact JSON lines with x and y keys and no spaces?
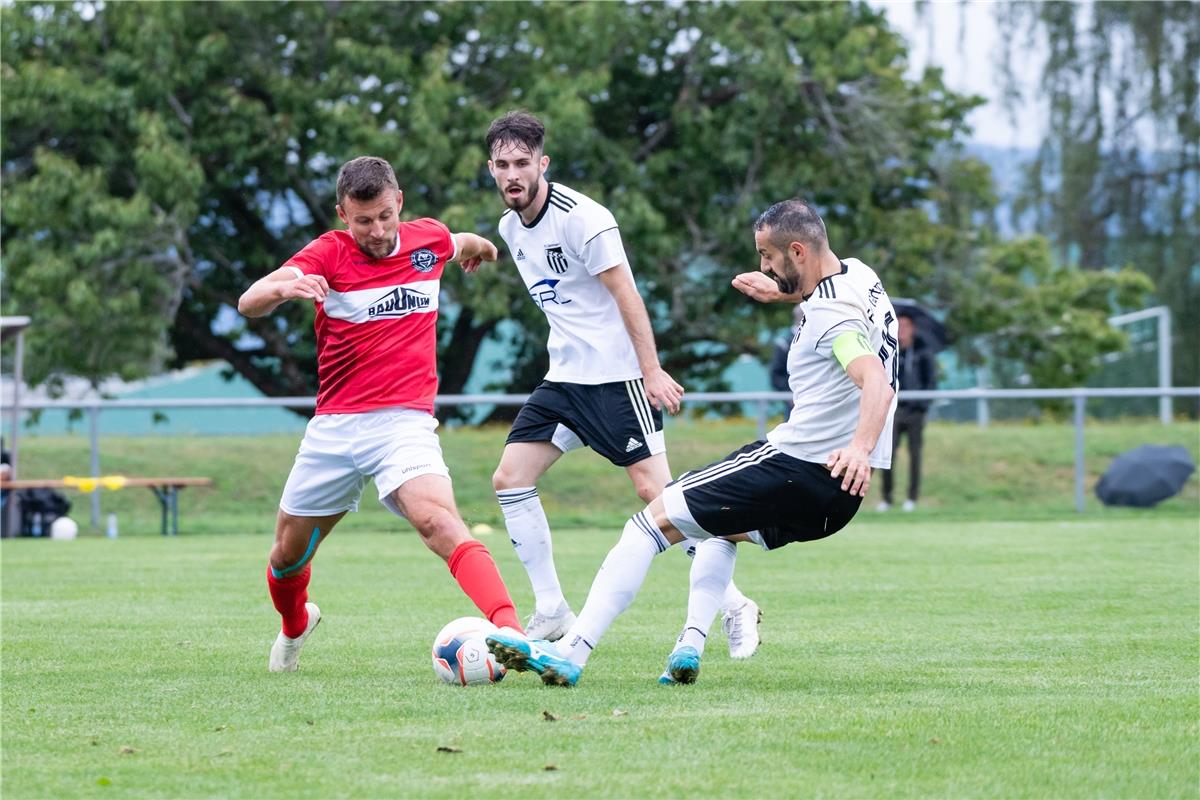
{"x":929,"y":329}
{"x":1145,"y":476}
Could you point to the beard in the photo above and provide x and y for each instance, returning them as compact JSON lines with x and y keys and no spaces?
{"x":379,"y":250}
{"x":522,"y":201}
{"x":789,"y":281}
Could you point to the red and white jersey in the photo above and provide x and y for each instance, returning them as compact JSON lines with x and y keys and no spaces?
{"x":377,"y":329}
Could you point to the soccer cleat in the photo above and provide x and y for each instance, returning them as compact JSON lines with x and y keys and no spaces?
{"x":285,"y":653}
{"x":884,"y":505}
{"x":518,"y":652}
{"x":550,"y":628}
{"x":666,"y":680}
{"x":741,"y":626}
{"x":909,"y":505}
{"x":683,"y":666}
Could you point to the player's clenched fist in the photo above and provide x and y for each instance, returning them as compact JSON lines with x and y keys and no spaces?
{"x":310,"y":287}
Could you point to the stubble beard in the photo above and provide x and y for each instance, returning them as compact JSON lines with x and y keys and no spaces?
{"x":384,"y":249}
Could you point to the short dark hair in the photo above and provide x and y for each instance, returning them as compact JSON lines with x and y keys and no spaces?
{"x":517,"y":127}
{"x":793,"y":220}
{"x":365,"y":178}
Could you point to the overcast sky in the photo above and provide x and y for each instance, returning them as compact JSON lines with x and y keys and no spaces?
{"x":963,"y":39}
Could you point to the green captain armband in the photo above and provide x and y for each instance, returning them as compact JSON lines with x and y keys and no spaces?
{"x":849,"y":346}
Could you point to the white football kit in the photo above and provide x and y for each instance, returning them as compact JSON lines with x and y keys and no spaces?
{"x":560,"y":256}
{"x":824,"y":400}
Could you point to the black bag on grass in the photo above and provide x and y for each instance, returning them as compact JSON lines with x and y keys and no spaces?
{"x":39,"y":509}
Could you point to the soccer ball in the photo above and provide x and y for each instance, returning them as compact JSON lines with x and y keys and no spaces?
{"x":460,"y":655}
{"x":64,"y":528}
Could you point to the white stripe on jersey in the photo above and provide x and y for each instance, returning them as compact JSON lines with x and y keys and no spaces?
{"x":383,"y":302}
{"x":641,"y":406}
{"x":723,"y":468}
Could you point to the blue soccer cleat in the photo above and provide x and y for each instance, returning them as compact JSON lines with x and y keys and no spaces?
{"x":682,"y":667}
{"x":517,"y":652}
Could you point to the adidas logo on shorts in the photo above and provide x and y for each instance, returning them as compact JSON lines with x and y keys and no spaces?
{"x":634,"y":444}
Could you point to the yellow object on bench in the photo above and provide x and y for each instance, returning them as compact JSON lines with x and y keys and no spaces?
{"x":112,"y":482}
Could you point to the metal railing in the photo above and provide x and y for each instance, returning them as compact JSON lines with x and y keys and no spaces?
{"x":762,"y":400}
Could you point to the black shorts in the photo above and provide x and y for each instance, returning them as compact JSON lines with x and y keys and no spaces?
{"x":614,"y":419}
{"x":759,"y":488}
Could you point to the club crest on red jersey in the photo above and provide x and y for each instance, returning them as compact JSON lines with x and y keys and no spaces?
{"x":423,"y":260}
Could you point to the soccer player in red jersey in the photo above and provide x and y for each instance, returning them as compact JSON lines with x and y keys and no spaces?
{"x":375,"y":287}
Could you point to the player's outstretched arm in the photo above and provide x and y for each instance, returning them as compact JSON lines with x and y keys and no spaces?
{"x":760,"y":287}
{"x":853,"y":462}
{"x":286,"y":283}
{"x":661,"y":388}
{"x":472,"y":250}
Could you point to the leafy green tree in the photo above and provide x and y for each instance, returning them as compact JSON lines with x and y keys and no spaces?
{"x":160,"y":157}
{"x":1047,"y":319}
{"x":1117,"y":179}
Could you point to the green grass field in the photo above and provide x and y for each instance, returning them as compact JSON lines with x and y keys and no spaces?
{"x":991,"y":644}
{"x":989,"y":659}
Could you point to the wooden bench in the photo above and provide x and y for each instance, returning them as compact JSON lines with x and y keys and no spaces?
{"x":165,"y":489}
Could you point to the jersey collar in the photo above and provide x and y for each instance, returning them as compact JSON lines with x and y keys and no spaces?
{"x":845,"y":269}
{"x":545,"y":207}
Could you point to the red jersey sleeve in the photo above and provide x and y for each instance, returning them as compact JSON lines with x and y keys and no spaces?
{"x":318,"y":256}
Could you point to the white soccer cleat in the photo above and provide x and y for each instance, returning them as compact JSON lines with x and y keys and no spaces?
{"x":285,"y":653}
{"x":551,"y":628}
{"x":909,"y":505}
{"x":741,"y":626}
{"x":884,"y":505}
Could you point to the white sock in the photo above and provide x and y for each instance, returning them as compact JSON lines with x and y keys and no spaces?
{"x":712,"y":567}
{"x":616,"y":584}
{"x":530,"y":536}
{"x":733,"y":595}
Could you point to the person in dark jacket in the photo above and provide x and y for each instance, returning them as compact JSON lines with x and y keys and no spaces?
{"x":918,"y":371}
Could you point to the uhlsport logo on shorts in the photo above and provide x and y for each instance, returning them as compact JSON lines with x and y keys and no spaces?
{"x":556,"y":259}
{"x":399,"y":302}
{"x":423,"y":260}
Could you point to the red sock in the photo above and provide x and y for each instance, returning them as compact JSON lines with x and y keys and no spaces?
{"x":472,"y":566}
{"x":289,"y":596}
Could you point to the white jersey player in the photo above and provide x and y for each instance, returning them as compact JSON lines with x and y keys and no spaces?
{"x":805,"y":482}
{"x":605,"y":388}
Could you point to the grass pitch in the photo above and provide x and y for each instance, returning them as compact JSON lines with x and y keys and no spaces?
{"x":940,"y":658}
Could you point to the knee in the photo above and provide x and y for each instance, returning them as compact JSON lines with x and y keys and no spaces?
{"x":438,"y":524}
{"x":297,"y":539}
{"x":648,"y":491}
{"x":283,"y":557}
{"x":505,"y":478}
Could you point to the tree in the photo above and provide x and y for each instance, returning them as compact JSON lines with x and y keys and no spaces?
{"x":158,"y":158}
{"x":1117,"y":179}
{"x":1046,"y":319}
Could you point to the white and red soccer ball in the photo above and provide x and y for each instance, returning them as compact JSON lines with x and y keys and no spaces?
{"x":460,"y":654}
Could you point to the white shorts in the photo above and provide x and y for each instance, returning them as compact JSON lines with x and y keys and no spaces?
{"x":341,"y":451}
